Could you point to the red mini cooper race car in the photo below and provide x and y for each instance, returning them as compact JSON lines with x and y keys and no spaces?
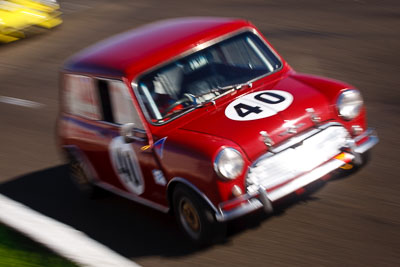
{"x":203,"y":118}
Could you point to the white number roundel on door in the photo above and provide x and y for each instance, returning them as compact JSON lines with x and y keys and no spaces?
{"x":126,"y":165}
{"x":258,"y":105}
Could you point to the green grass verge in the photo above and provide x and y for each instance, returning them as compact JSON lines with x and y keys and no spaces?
{"x":20,"y":251}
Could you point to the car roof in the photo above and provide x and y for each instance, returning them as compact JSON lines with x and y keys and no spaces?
{"x":132,"y":52}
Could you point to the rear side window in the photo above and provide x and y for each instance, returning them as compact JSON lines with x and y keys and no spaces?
{"x":81,"y":97}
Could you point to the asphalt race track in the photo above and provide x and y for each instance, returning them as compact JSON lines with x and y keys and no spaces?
{"x":352,"y":221}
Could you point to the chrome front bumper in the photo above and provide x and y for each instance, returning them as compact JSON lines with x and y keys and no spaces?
{"x":263,"y":198}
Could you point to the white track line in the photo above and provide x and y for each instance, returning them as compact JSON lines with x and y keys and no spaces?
{"x":63,"y":239}
{"x":20,"y":102}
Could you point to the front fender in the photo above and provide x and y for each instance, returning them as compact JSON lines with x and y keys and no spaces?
{"x":190,"y":155}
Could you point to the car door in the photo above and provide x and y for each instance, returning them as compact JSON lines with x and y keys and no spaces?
{"x":133,"y":168}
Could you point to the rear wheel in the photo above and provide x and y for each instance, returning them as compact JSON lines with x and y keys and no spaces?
{"x":79,"y":174}
{"x":196,"y":218}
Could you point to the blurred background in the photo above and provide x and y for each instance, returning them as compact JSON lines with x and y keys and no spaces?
{"x":352,"y":221}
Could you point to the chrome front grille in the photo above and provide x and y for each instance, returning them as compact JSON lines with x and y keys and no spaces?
{"x":274,"y":169}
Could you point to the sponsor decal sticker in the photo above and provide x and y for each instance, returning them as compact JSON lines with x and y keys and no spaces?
{"x":159,"y":177}
{"x":159,"y":147}
{"x":258,"y":105}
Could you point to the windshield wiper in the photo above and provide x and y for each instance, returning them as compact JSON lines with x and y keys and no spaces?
{"x":236,"y":86}
{"x":218,"y":90}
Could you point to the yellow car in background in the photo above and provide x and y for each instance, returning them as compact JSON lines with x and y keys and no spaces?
{"x":17,"y":17}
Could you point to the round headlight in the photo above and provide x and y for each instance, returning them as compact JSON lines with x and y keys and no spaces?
{"x":349,"y":104}
{"x":229,"y":163}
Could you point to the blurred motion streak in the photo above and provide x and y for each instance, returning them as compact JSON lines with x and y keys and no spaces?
{"x":19,"y":17}
{"x":20,"y":102}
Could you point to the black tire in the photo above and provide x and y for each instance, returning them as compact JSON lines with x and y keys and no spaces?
{"x":78,"y":173}
{"x":364,"y":161}
{"x":196,"y":218}
{"x":365,"y":158}
{"x":352,"y":168}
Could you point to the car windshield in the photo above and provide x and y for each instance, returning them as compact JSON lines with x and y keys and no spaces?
{"x":205,"y":75}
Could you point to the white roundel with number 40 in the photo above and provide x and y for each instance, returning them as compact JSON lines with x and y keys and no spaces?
{"x":258,"y":105}
{"x":126,"y":165}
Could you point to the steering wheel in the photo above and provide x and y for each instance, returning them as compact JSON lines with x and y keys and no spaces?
{"x":186,"y":98}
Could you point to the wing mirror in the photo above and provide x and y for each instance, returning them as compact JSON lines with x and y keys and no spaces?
{"x":130,"y":133}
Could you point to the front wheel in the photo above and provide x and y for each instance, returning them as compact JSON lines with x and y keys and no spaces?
{"x":196,"y":218}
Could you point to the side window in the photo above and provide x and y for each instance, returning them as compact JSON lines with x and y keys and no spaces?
{"x":107,"y":100}
{"x":104,"y":94}
{"x":80,"y":97}
{"x":116,"y":103}
{"x":123,"y":108}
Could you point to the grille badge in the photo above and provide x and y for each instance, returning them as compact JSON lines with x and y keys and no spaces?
{"x":291,"y":128}
{"x":266,"y":139}
{"x":313,"y":116}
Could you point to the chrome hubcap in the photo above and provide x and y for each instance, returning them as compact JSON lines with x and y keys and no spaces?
{"x":78,"y":173}
{"x":189,"y":218}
